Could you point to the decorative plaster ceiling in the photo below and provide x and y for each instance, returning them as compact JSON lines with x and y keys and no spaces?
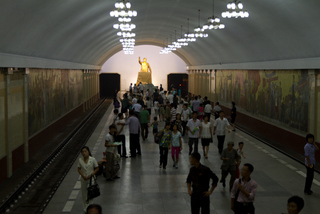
{"x":81,"y":31}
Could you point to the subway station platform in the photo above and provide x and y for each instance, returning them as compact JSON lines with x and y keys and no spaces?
{"x":145,"y":188}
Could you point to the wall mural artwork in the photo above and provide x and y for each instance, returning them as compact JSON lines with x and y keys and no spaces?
{"x":52,"y":93}
{"x":277,"y":95}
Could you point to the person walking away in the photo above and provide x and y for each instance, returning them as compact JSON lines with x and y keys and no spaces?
{"x":148,"y":104}
{"x":185,"y":115}
{"x":179,"y":94}
{"x":220,"y":124}
{"x":195,"y":104}
{"x":205,"y":135}
{"x":154,"y":125}
{"x":176,"y":145}
{"x":161,"y":108}
{"x":148,"y":94}
{"x":168,"y":112}
{"x":156,"y":106}
{"x":178,"y":122}
{"x":229,"y":157}
{"x":309,"y":152}
{"x":200,"y":99}
{"x":134,"y":127}
{"x":120,"y":137}
{"x":173,"y":113}
{"x":165,"y":144}
{"x":144,"y":120}
{"x":233,"y":115}
{"x":170,"y":97}
{"x":175,"y":101}
{"x":110,"y":151}
{"x":207,"y":109}
{"x":199,"y":179}
{"x":130,"y":88}
{"x":125,"y":104}
{"x":200,"y":112}
{"x":87,"y":167}
{"x":137,"y":108}
{"x":216,"y":110}
{"x":193,"y":127}
{"x":243,"y":192}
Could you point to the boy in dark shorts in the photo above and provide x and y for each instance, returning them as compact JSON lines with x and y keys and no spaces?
{"x":155,"y":126}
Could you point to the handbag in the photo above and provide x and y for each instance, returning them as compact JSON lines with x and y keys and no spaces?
{"x":93,"y":189}
{"x":117,"y":157}
{"x":158,"y":136}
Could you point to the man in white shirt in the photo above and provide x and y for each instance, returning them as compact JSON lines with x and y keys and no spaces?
{"x":220,"y":126}
{"x":207,"y":110}
{"x":195,"y":104}
{"x":134,"y":99}
{"x":216,"y":110}
{"x":110,"y":148}
{"x":185,"y":117}
{"x":137,"y":108}
{"x":170,"y":97}
{"x":120,"y":137}
{"x":193,"y":127}
{"x":141,"y":87}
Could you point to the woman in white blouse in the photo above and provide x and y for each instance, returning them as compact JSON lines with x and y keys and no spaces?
{"x":87,"y":167}
{"x":205,"y":135}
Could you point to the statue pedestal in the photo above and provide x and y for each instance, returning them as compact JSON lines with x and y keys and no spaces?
{"x":144,"y":78}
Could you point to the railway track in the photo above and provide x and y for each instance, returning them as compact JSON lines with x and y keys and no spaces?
{"x":34,"y":193}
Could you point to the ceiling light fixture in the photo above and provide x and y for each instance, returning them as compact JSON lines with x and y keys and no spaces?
{"x":235,"y":10}
{"x":124,"y":13}
{"x":189,"y":36}
{"x":213,"y":22}
{"x":199,"y":30}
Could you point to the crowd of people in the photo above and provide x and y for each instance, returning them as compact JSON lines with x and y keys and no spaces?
{"x":184,"y":119}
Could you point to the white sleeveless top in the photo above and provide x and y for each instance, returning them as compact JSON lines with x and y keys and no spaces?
{"x":205,"y":133}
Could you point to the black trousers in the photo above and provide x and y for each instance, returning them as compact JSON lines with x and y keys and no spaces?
{"x":309,"y":179}
{"x":191,"y":142}
{"x":209,"y":115}
{"x":122,"y":138}
{"x":144,"y":130}
{"x":243,"y":208}
{"x":184,"y":126}
{"x":220,"y":142}
{"x":198,"y":201}
{"x":134,"y":144}
{"x":164,"y":155}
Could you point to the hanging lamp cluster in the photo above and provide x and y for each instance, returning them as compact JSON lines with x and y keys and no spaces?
{"x":124,"y":13}
{"x":235,"y":10}
{"x":213,"y":23}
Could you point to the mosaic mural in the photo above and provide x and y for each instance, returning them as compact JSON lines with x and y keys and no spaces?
{"x":52,"y":93}
{"x":280,"y":95}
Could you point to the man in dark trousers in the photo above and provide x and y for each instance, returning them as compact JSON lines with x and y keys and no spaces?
{"x":243,"y":192}
{"x":134,"y":127}
{"x":199,"y":178}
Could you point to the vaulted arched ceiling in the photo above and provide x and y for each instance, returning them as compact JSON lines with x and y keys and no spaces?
{"x":81,"y":31}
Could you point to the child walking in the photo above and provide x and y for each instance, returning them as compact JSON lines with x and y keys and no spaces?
{"x":241,"y":154}
{"x":165,"y":144}
{"x":176,"y":145}
{"x":155,"y":126}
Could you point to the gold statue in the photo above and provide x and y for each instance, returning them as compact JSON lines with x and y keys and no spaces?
{"x":144,"y":65}
{"x":144,"y":76}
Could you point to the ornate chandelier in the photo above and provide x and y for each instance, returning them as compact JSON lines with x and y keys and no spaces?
{"x":124,"y":13}
{"x":235,"y":10}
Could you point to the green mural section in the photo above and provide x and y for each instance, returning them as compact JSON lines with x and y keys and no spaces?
{"x":277,"y":95}
{"x":52,"y":93}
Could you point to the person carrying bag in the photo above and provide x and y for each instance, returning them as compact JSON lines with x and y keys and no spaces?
{"x":93,"y":189}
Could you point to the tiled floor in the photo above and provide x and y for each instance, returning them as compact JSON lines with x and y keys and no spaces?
{"x":144,"y":188}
